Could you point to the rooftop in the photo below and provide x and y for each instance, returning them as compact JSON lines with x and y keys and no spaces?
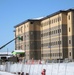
{"x":42,"y":18}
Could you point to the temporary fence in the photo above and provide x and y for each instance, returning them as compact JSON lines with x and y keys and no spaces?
{"x":66,"y":68}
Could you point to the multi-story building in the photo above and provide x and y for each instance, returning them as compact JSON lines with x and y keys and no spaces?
{"x":48,"y":38}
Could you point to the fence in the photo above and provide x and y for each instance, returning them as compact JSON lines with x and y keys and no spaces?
{"x":35,"y":69}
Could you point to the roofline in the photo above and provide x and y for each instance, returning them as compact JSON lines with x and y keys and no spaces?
{"x":60,"y":11}
{"x":70,"y":10}
{"x":26,"y":21}
{"x":54,"y":14}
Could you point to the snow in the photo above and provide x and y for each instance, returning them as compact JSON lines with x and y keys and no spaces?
{"x":36,"y":69}
{"x":19,"y":51}
{"x":5,"y":73}
{"x":37,"y":18}
{"x":6,"y":53}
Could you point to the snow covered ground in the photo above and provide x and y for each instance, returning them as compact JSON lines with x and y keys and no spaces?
{"x":35,"y":69}
{"x":5,"y":73}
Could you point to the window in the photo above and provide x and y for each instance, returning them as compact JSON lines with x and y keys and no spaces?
{"x":54,"y":20}
{"x":21,"y":38}
{"x":56,"y":42}
{"x":52,"y":32}
{"x":59,"y":30}
{"x":27,"y":25}
{"x":31,"y":22}
{"x":18,"y":29}
{"x":49,"y":33}
{"x":41,"y":25}
{"x":56,"y":31}
{"x":47,"y":22}
{"x":31,"y":42}
{"x":70,"y":53}
{"x":50,"y":22}
{"x":21,"y":29}
{"x":69,"y":41}
{"x":21,"y":47}
{"x":27,"y":35}
{"x":41,"y":45}
{"x":41,"y":35}
{"x":18,"y":47}
{"x":69,"y":17}
{"x":24,"y":26}
{"x":69,"y":29}
{"x":59,"y":42}
{"x":31,"y":32}
{"x":59,"y":18}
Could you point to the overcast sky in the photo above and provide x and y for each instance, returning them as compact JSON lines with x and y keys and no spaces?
{"x":13,"y":12}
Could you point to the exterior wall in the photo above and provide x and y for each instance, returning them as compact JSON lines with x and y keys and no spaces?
{"x":53,"y":37}
{"x":70,"y":24}
{"x":45,"y":39}
{"x":31,"y":39}
{"x":19,"y":32}
{"x":34,"y":40}
{"x":48,"y":38}
{"x":64,"y":36}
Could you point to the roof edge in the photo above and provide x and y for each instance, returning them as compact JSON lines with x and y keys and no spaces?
{"x":25,"y":22}
{"x":44,"y":17}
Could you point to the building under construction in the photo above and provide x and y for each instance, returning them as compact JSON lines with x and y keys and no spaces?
{"x":50,"y":37}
